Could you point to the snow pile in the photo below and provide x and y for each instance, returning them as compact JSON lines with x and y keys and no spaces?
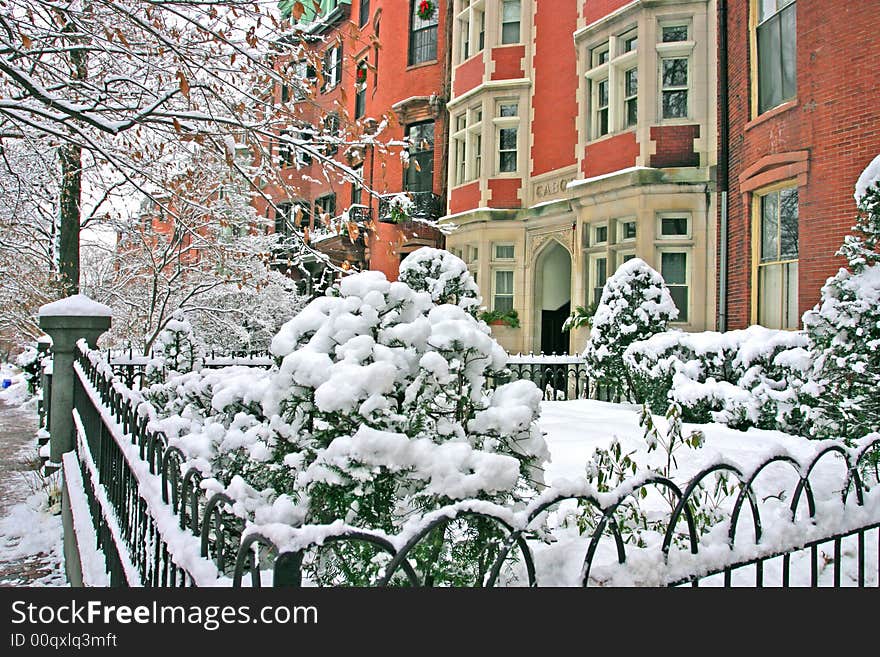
{"x":635,"y":305}
{"x":75,"y":305}
{"x":741,"y":378}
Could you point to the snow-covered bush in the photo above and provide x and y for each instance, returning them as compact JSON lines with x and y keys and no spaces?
{"x":378,"y":412}
{"x":742,"y":378}
{"x":176,"y":350}
{"x":444,"y":276}
{"x":28,"y":362}
{"x":635,"y":305}
{"x":844,"y":329}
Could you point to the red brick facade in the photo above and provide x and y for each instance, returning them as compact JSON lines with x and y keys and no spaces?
{"x":675,"y":146}
{"x":400,"y":93}
{"x":611,"y":154}
{"x":820,"y":140}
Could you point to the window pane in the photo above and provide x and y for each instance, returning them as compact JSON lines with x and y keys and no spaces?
{"x":675,"y":72}
{"x":503,"y":303}
{"x":508,"y":139}
{"x":792,"y":317}
{"x":632,"y":82}
{"x":601,"y":271}
{"x":508,"y":162}
{"x":601,"y":234}
{"x":674,"y":226}
{"x":503,"y":282}
{"x":770,"y":227}
{"x":630,"y":44}
{"x":769,"y":65}
{"x":789,"y":52}
{"x":675,"y":33}
{"x":511,"y":11}
{"x":629,"y":230}
{"x":674,"y":268}
{"x":788,"y":217}
{"x":510,"y":22}
{"x":504,"y":251}
{"x":770,"y":308}
{"x":675,"y":104}
{"x":508,"y":109}
{"x":679,"y":294}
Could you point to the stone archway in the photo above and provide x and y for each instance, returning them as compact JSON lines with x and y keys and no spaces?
{"x":552,"y":295}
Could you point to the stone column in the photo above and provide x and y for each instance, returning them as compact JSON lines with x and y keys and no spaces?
{"x":67,"y":321}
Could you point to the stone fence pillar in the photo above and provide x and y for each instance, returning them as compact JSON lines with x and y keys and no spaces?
{"x":67,"y":321}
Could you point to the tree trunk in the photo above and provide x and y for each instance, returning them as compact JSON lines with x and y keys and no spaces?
{"x":70,"y":196}
{"x":70,"y":157}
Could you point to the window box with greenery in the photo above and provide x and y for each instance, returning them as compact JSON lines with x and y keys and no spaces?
{"x":501,"y":318}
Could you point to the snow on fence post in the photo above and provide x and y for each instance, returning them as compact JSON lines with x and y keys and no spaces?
{"x":67,"y":321}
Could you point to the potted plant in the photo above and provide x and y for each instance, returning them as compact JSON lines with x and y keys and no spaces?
{"x":501,"y":317}
{"x":426,"y":9}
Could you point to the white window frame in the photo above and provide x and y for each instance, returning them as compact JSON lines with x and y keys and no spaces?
{"x":674,"y":215}
{"x":594,"y":241}
{"x":620,"y":227}
{"x":688,"y":277}
{"x":614,"y":71}
{"x":495,"y":294}
{"x":593,"y":275}
{"x":470,"y":23}
{"x":502,"y":23}
{"x":675,"y":50}
{"x":507,"y":123}
{"x":468,"y":143}
{"x":496,"y":258}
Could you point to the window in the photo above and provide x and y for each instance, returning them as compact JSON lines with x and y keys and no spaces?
{"x":777,"y":266}
{"x":673,"y":226}
{"x":627,"y":230}
{"x":503,"y":298}
{"x":331,"y":133}
{"x":776,"y":37}
{"x":332,"y":68}
{"x":422,"y":36}
{"x":290,"y":215}
{"x":629,"y":42}
{"x":471,"y":22}
{"x":600,"y":55}
{"x":631,"y":98}
{"x":674,"y":33}
{"x":600,"y":235}
{"x":364,"y":14}
{"x":673,"y":268}
{"x":504,"y":251}
{"x":473,"y":254}
{"x":468,"y":140}
{"x":507,"y":125}
{"x":419,"y":175}
{"x":510,"y":17}
{"x":360,"y":95}
{"x":601,"y":99}
{"x":599,"y":273}
{"x":286,"y":149}
{"x":325,"y":205}
{"x":674,"y":85}
{"x":356,"y":188}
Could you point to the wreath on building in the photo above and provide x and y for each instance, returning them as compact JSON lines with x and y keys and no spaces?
{"x":361,"y":74}
{"x":426,"y":9}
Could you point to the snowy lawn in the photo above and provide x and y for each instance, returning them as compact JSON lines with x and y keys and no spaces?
{"x":576,"y":428}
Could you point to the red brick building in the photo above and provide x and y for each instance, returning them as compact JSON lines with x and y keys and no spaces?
{"x":376,"y":66}
{"x":583,"y":133}
{"x":804,"y":121}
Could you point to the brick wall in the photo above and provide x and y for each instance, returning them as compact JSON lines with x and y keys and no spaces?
{"x":596,"y":9}
{"x":611,"y":154}
{"x":675,"y":146}
{"x":836,"y":119}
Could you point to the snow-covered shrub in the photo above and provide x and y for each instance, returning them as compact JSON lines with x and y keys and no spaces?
{"x":28,"y":362}
{"x":176,"y":350}
{"x":635,"y":305}
{"x":742,"y":378}
{"x":844,"y":329}
{"x":378,"y":412}
{"x":442,"y":275}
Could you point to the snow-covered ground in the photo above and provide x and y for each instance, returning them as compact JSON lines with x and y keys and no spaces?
{"x":30,"y":527}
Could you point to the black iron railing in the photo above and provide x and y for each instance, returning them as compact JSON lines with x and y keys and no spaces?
{"x":137,"y":482}
{"x":425,"y":206}
{"x":131,"y":367}
{"x":560,"y":378}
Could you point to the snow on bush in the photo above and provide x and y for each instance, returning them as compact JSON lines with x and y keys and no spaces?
{"x":635,"y":305}
{"x":379,"y":409}
{"x":444,"y":276}
{"x":176,"y":350}
{"x":742,"y":378}
{"x":844,"y":329}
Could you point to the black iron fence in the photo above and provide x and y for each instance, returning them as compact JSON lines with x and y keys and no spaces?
{"x":560,"y":378}
{"x":131,"y":367}
{"x":425,"y":206}
{"x":156,"y":525}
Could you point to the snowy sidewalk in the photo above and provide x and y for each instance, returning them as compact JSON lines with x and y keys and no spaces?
{"x":30,"y":537}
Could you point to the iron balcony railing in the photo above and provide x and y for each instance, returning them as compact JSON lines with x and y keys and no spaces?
{"x":426,"y":206}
